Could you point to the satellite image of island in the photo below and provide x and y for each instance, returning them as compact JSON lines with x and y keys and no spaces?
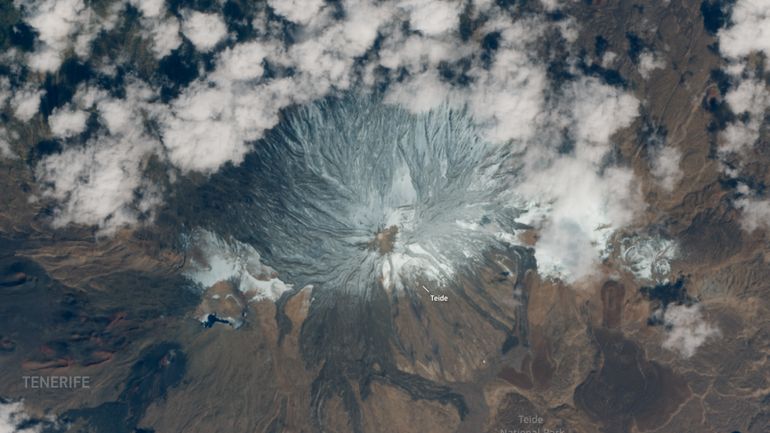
{"x":384,"y":216}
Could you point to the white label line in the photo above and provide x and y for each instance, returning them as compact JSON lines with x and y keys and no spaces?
{"x":426,"y":289}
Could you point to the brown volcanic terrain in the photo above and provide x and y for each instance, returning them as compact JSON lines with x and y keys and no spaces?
{"x":505,"y":345}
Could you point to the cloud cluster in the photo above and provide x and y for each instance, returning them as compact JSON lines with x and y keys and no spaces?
{"x":748,"y":33}
{"x":26,"y":102}
{"x":164,"y":28}
{"x":755,"y":213}
{"x":585,"y":200}
{"x":648,"y":62}
{"x":14,"y":419}
{"x":686,"y":329}
{"x":62,"y":26}
{"x":750,"y":98}
{"x":204,"y":30}
{"x":67,"y":122}
{"x":103,"y":182}
{"x":665,"y":167}
{"x":474,"y":56}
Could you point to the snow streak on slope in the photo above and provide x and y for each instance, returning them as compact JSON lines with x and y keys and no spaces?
{"x":350,"y":191}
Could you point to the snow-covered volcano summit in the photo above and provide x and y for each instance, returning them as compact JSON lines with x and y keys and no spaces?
{"x":350,"y":191}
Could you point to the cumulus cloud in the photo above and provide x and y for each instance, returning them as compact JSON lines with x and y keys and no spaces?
{"x":595,"y":111}
{"x":585,"y":202}
{"x":242,"y":62}
{"x":149,"y":8}
{"x":665,"y":167}
{"x":208,"y":127}
{"x":165,"y":36}
{"x":608,"y":59}
{"x":5,"y":91}
{"x":26,"y":102}
{"x":433,"y":18}
{"x":583,"y":209}
{"x":164,"y":30}
{"x":5,"y":144}
{"x":551,"y":5}
{"x":686,"y":329}
{"x":507,"y":97}
{"x":15,"y":419}
{"x":5,"y":95}
{"x":649,"y":62}
{"x":751,"y":96}
{"x":749,"y":32}
{"x":752,"y":99}
{"x":297,"y":11}
{"x":204,"y":30}
{"x":67,"y":122}
{"x":61,"y":25}
{"x":755,"y":213}
{"x":103,"y":182}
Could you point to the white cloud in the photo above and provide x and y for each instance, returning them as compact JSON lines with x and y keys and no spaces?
{"x":149,"y":8}
{"x":738,"y":136}
{"x":608,"y":59}
{"x":67,"y":122}
{"x":595,"y":111}
{"x":649,"y":62}
{"x":13,"y":415}
{"x":5,"y":91}
{"x":584,"y":208}
{"x":509,"y":98}
{"x":204,"y":30}
{"x":420,"y":93}
{"x":103,"y":183}
{"x":165,"y":36}
{"x":749,"y":32}
{"x":163,"y":29}
{"x":298,"y":11}
{"x":755,"y":213}
{"x":242,"y":62}
{"x":433,"y":18}
{"x":96,"y":184}
{"x":26,"y":102}
{"x":5,"y":95}
{"x":211,"y":126}
{"x":665,"y":167}
{"x":506,"y":99}
{"x":5,"y":145}
{"x":550,"y":5}
{"x":56,"y":21}
{"x":585,"y":203}
{"x":750,"y":97}
{"x":686,"y":329}
{"x":61,"y":25}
